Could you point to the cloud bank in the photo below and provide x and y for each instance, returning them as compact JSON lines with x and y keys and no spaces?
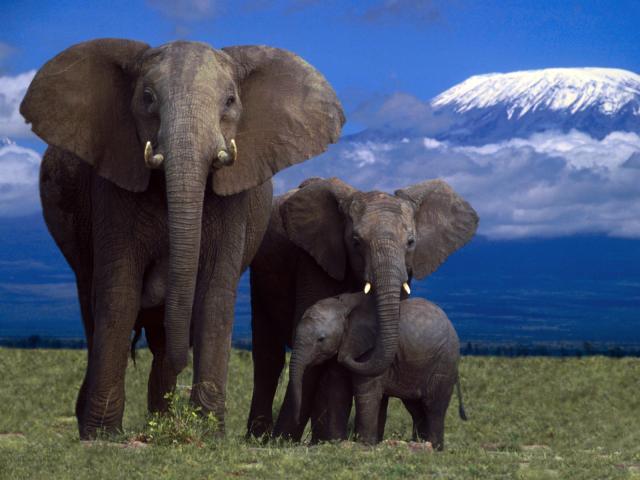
{"x":18,"y":165}
{"x":19,"y":169}
{"x":12,"y":90}
{"x":550,"y":184}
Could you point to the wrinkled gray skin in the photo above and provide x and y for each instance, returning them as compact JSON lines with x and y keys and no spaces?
{"x":423,"y":373}
{"x":327,"y":238}
{"x":164,"y":245}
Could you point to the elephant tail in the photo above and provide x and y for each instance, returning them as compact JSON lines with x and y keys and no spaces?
{"x":461,"y":410}
{"x":137,"y":334}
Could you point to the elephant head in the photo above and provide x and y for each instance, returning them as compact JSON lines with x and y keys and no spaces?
{"x":385,"y":240}
{"x":345,"y":323}
{"x":236,"y":115}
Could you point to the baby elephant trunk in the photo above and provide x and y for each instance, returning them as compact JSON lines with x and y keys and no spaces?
{"x":297,"y":366}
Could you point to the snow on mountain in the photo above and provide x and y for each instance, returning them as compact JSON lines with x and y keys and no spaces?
{"x":572,"y":89}
{"x":499,"y":106}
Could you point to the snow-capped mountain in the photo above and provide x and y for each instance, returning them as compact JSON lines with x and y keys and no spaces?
{"x":497,"y":106}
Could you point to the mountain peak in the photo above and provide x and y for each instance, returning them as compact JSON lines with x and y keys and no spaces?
{"x":570,"y":89}
{"x":594,"y":100}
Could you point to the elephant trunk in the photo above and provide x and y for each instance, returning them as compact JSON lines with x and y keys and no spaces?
{"x":186,"y":171}
{"x":297,"y":367}
{"x":388,"y":275}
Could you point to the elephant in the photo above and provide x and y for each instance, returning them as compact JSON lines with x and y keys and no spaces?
{"x":326,"y":238}
{"x":423,"y":373}
{"x":156,"y":188}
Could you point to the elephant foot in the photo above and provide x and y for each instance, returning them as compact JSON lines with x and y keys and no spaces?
{"x":210,"y":399}
{"x":93,"y":432}
{"x":102,"y":413}
{"x":289,"y":433}
{"x":259,"y":427}
{"x":368,"y":439}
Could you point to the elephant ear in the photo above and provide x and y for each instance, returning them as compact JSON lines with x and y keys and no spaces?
{"x":314,"y":222}
{"x":445,"y":222}
{"x":290,"y":113}
{"x":361,"y":328}
{"x":80,"y":101}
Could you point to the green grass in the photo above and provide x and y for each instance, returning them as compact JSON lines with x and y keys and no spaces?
{"x":529,"y":418}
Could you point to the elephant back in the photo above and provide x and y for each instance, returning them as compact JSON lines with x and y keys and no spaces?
{"x":426,"y":335}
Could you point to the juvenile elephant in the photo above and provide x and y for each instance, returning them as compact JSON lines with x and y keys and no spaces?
{"x":423,"y":373}
{"x":327,"y":238}
{"x":155,"y":186}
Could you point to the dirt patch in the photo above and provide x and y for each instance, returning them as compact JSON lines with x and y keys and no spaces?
{"x":130,"y":444}
{"x":414,"y":447}
{"x":13,"y":436}
{"x":530,"y":448}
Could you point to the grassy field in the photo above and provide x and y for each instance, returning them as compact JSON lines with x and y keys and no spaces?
{"x":529,"y":418}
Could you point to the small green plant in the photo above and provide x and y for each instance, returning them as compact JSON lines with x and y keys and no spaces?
{"x":181,"y":424}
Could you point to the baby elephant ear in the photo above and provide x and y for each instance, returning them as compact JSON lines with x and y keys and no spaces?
{"x":290,"y":113}
{"x":80,"y":101}
{"x":361,"y":328}
{"x":314,"y":222}
{"x":444,"y":221}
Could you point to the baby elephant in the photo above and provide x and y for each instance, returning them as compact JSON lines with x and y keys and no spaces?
{"x":423,"y":373}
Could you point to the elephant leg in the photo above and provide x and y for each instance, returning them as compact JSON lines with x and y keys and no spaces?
{"x":268,"y":354}
{"x":287,"y":425}
{"x":211,"y":349}
{"x":382,"y":417}
{"x":435,"y":407}
{"x":84,"y":298}
{"x":417,"y":412}
{"x":162,"y":379}
{"x":368,"y":393}
{"x":332,"y":405}
{"x":117,"y":286}
{"x":435,"y":427}
{"x":212,"y":326}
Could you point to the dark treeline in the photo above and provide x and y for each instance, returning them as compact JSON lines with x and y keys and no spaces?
{"x":468,"y":348}
{"x":549,"y":350}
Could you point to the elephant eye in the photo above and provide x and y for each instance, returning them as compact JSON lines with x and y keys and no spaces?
{"x":230,"y":100}
{"x":321,"y":339}
{"x":356,"y":241}
{"x":411,"y":242}
{"x":148,"y":97}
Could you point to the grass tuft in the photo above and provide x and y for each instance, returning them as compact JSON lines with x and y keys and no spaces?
{"x":182,"y":424}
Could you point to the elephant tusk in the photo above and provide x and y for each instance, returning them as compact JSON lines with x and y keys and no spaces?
{"x":148,"y":152}
{"x":367,"y":288}
{"x":406,"y":288}
{"x":234,"y":150}
{"x":151,"y":160}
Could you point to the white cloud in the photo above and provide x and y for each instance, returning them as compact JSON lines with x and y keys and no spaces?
{"x":6,"y":51}
{"x":579,"y":149}
{"x":12,"y":90}
{"x":19,"y":168}
{"x":186,"y":10}
{"x":419,"y":12}
{"x":551,"y":184}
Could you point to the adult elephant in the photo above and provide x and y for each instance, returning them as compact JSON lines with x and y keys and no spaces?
{"x":156,"y":188}
{"x":327,"y":238}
